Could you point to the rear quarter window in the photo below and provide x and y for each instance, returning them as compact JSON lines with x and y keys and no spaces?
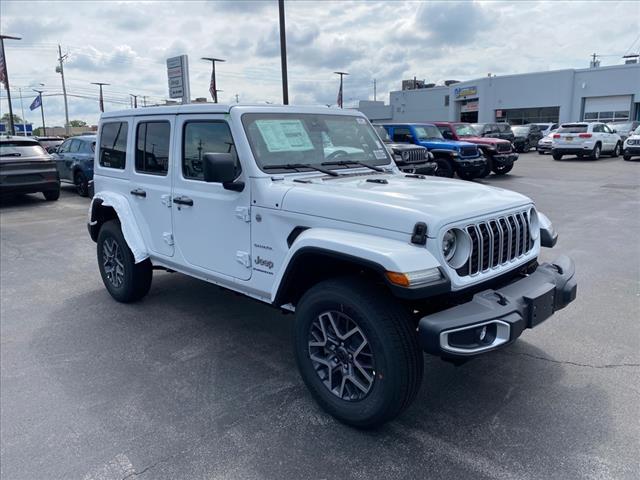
{"x":113,"y":145}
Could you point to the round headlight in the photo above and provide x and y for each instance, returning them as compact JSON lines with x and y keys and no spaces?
{"x":449,"y":245}
{"x":405,"y":155}
{"x":534,"y":223}
{"x":456,"y":247}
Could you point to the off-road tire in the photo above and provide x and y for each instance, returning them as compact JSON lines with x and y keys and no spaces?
{"x":467,"y":176}
{"x":51,"y":195}
{"x":626,"y":157}
{"x":502,"y":170}
{"x":390,"y":332}
{"x":445,"y":169}
{"x":596,"y":152}
{"x":135,"y":278}
{"x":557,"y":156}
{"x":82,"y":183}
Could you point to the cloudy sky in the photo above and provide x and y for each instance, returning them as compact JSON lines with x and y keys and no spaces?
{"x":126,"y":44}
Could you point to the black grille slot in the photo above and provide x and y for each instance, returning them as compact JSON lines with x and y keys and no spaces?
{"x":496,"y":242}
{"x":468,"y":151}
{"x":504,"y":147}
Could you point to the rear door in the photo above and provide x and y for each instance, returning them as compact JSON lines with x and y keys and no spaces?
{"x":61,"y":157}
{"x":150,"y":192}
{"x":211,"y":224}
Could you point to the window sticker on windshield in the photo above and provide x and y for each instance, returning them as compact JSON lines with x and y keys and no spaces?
{"x":360,"y":120}
{"x":284,"y":135}
{"x":379,"y":154}
{"x":378,"y":144}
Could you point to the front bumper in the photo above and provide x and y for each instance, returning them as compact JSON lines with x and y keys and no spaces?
{"x":632,"y":150}
{"x":496,"y":318}
{"x":504,"y":159}
{"x":475,"y":165}
{"x":426,"y":168}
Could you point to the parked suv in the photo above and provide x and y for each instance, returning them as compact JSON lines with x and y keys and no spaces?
{"x":74,"y":159}
{"x":377,"y":265}
{"x":463,"y":158}
{"x":409,"y":158}
{"x":498,"y":152}
{"x":585,"y":139}
{"x":26,"y":168}
{"x":632,"y":145}
{"x":624,"y":128}
{"x":50,"y":143}
{"x":526,"y":136}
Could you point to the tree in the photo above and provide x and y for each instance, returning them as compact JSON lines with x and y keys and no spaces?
{"x":16,"y":118}
{"x":77,"y":123}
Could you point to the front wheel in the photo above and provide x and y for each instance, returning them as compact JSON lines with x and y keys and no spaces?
{"x":557,"y":156}
{"x":445,"y":169}
{"x":466,"y":175}
{"x":357,"y":351}
{"x":125,"y":280}
{"x":502,"y":169}
{"x":626,"y":157}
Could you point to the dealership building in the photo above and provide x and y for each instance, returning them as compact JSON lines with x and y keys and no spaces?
{"x":605,"y":94}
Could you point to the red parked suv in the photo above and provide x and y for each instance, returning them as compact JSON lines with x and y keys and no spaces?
{"x":499,"y":152}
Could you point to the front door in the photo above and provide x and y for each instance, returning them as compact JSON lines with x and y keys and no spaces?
{"x":62,"y":156}
{"x":150,"y":186}
{"x":211,"y":224}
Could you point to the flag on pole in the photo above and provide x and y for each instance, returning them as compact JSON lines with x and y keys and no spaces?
{"x":3,"y":69}
{"x":37,"y":102}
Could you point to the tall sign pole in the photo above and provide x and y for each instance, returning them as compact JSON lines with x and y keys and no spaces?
{"x":283,"y":55}
{"x":178,"y":76}
{"x":4,"y":78}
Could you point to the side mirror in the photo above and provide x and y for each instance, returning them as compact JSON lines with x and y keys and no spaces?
{"x":614,"y":130}
{"x":221,"y":168}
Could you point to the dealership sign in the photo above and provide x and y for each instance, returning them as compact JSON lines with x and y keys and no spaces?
{"x":463,"y":92}
{"x":178,"y":76}
{"x":469,"y":107}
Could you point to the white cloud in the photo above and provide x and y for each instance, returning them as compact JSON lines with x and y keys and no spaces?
{"x":126,"y":44}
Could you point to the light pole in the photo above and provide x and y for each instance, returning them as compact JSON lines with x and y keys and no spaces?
{"x":340,"y":93}
{"x":39,"y":92}
{"x":213,"y":89}
{"x":4,"y":78}
{"x":283,"y":55}
{"x":100,"y":84}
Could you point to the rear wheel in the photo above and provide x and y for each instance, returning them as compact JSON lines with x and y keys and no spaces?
{"x":557,"y":156}
{"x":125,"y":280}
{"x":526,"y":147}
{"x":82,"y":184}
{"x":357,"y":351}
{"x":595,"y":153}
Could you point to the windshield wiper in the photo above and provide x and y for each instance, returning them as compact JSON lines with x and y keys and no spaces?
{"x":298,"y":166}
{"x":346,"y":163}
{"x":13,"y":154}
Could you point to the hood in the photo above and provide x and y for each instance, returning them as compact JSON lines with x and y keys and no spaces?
{"x":400,"y":147}
{"x":485,"y":140}
{"x":399,"y":203}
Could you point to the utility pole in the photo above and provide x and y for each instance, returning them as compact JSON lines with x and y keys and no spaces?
{"x":212,"y":85}
{"x":44,"y":128}
{"x":135,"y":100}
{"x":283,"y":55}
{"x":61,"y":59}
{"x":374,"y":89}
{"x":24,"y":122}
{"x":100,"y":84}
{"x":340,"y":92}
{"x":4,"y":77}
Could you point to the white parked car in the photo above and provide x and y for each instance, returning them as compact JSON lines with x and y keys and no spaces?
{"x":585,"y":140}
{"x":545,"y":144}
{"x":631,"y":146}
{"x":547,"y":128}
{"x":377,"y":265}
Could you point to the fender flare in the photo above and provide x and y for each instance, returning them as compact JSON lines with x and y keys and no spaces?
{"x":130,"y":229}
{"x":377,"y":253}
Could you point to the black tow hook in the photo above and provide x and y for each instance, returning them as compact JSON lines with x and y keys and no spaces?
{"x":502,"y":300}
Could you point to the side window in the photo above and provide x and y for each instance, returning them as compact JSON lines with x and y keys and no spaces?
{"x":113,"y":145}
{"x":75,"y":146}
{"x":606,"y":129}
{"x":88,"y":147}
{"x":598,"y":128}
{"x":152,"y":147}
{"x":402,"y":135}
{"x":446,"y":100}
{"x":205,"y":137}
{"x":64,"y":148}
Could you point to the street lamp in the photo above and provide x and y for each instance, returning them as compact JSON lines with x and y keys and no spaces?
{"x":212,"y":86}
{"x":4,"y":78}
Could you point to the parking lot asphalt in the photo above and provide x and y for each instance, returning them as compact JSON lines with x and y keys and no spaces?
{"x":198,"y":383}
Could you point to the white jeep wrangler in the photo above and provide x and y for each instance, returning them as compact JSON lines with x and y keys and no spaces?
{"x":304,"y":209}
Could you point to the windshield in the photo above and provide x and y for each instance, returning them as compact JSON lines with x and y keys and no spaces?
{"x":382,"y":132}
{"x":21,"y":149}
{"x":466,"y":131}
{"x":621,"y":127}
{"x":520,"y":130}
{"x":311,"y":139}
{"x":428,"y":132}
{"x":637,"y":131}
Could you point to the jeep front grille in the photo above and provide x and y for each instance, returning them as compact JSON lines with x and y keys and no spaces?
{"x":414,"y":155}
{"x":469,"y":152}
{"x":504,"y":147}
{"x":497,"y":242}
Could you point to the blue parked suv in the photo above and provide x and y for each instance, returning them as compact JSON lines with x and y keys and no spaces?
{"x":74,"y":159}
{"x":452,"y":156}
